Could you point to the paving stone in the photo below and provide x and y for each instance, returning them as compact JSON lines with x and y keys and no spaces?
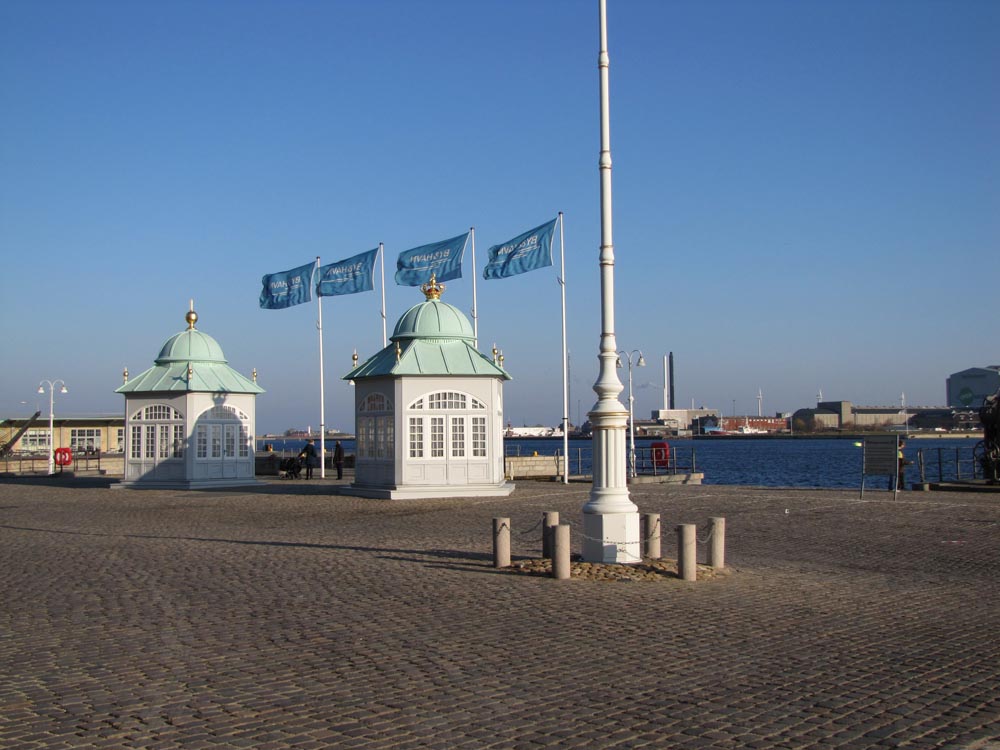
{"x":285,"y":618}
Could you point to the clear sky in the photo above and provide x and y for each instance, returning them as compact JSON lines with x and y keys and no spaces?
{"x":806,"y":194}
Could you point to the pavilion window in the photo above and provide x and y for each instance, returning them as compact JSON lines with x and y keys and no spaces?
{"x":201,"y":442}
{"x":437,"y":437}
{"x":458,"y":437}
{"x":416,"y":437}
{"x":136,"y":449}
{"x":479,"y":437}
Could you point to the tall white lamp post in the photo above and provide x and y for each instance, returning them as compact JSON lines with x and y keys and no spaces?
{"x":52,"y":397}
{"x":610,"y":518}
{"x":631,"y":402}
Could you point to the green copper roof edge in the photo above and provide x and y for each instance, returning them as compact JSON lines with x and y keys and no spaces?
{"x":384,"y":364}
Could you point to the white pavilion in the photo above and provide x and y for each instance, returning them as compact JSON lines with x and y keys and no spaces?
{"x":189,"y":419}
{"x":429,"y":410}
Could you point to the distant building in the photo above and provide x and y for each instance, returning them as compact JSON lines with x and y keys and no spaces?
{"x":681,"y":420}
{"x":840,"y":415}
{"x":104,"y":433}
{"x":532,"y":432}
{"x":968,"y":389}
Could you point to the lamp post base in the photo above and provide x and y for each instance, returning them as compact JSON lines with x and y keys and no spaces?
{"x":611,"y":538}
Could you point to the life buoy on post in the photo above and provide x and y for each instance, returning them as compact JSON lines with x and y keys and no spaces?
{"x":63,"y":457}
{"x":661,"y":455}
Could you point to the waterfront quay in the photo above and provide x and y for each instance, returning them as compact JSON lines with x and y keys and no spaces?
{"x":286,"y":617}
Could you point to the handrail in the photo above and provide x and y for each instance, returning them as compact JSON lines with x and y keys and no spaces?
{"x":947,"y":466}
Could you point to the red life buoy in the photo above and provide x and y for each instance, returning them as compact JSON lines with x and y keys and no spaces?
{"x":63,"y":456}
{"x":661,"y":455}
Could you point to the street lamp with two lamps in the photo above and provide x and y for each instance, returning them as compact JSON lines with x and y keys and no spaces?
{"x":52,"y":395}
{"x":631,"y":418}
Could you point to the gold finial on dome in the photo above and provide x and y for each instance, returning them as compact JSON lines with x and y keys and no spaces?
{"x":125,"y":375}
{"x":254,"y":374}
{"x":432,"y":289}
{"x":191,"y":317}
{"x":354,"y":359}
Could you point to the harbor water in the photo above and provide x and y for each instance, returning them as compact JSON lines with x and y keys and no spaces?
{"x":757,"y":462}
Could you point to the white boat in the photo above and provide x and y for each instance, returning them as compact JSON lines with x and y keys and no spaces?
{"x":746,"y":429}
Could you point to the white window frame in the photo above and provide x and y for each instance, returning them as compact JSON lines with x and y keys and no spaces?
{"x":416,"y":437}
{"x":456,"y":428}
{"x":480,"y":435}
{"x":156,"y":433}
{"x":222,"y":433}
{"x":85,"y":438}
{"x":36,"y":439}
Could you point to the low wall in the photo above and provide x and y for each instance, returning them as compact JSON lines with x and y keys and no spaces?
{"x":83,"y":465}
{"x":527,"y":467}
{"x":693,"y":478}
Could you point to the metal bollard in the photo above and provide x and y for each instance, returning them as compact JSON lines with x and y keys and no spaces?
{"x":652,"y":536}
{"x":560,"y":552}
{"x":687,"y":549}
{"x":501,"y":542}
{"x":717,"y":547}
{"x":550,"y":519}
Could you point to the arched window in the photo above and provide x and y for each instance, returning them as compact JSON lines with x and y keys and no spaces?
{"x":156,"y":432}
{"x":223,"y":432}
{"x":447,"y":400}
{"x":452,"y":429}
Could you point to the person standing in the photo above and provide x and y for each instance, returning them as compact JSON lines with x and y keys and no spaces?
{"x":309,"y":457}
{"x":338,"y":459}
{"x":902,"y":463}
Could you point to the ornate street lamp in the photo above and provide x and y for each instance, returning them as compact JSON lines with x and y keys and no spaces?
{"x":631,"y":401}
{"x":610,"y":518}
{"x":52,"y":437}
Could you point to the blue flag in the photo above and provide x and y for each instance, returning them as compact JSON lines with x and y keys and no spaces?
{"x":526,"y":252}
{"x":287,"y":288}
{"x":348,"y":276}
{"x":441,"y":259}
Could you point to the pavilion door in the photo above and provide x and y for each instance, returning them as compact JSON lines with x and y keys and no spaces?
{"x":230,"y":462}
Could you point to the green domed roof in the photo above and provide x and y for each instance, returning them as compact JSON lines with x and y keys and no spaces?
{"x":432,"y":338}
{"x":190,"y":361}
{"x":433,"y":319}
{"x":191,"y":346}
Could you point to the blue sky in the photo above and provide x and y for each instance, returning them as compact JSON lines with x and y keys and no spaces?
{"x":806,"y":194}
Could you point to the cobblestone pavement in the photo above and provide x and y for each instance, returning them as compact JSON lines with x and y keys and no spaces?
{"x":286,"y":617}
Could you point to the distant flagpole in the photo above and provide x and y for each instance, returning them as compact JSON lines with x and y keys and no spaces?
{"x":475,"y":312}
{"x":565,"y":353}
{"x":322,"y":406}
{"x":381,"y":250}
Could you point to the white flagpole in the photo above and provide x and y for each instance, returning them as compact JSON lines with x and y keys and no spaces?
{"x":381,"y":251}
{"x":565,"y":354}
{"x":322,"y":406}
{"x":475,"y":312}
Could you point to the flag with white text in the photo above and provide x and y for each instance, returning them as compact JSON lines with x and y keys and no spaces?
{"x":526,"y":252}
{"x":349,"y":276}
{"x":287,"y":288}
{"x":440,"y":259}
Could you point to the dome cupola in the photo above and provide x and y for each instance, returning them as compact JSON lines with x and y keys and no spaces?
{"x":433,"y":319}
